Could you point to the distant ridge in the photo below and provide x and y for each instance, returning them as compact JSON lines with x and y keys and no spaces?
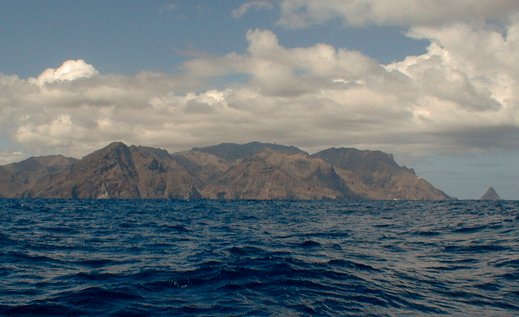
{"x":490,"y":194}
{"x":232,"y":151}
{"x":255,"y":170}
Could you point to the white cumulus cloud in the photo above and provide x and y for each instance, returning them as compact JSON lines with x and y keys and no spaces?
{"x":70,"y":70}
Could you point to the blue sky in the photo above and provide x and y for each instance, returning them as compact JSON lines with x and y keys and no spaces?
{"x":432,"y":83}
{"x":130,"y":36}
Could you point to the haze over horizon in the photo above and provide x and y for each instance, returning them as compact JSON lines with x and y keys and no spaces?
{"x":432,"y":83}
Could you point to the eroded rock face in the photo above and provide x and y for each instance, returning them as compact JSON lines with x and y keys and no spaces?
{"x":226,"y":171}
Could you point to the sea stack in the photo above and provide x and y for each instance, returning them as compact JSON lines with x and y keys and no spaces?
{"x":490,"y":194}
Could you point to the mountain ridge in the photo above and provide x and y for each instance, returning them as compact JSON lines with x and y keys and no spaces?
{"x":253,"y":170}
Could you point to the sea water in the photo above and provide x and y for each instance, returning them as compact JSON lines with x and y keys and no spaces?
{"x":258,"y":258}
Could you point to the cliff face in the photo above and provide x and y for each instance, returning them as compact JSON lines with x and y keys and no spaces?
{"x":375,"y":175}
{"x":225,"y":171}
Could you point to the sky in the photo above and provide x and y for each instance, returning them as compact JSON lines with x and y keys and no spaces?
{"x":431,"y":81}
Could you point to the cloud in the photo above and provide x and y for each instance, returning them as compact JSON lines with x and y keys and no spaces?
{"x":303,"y":13}
{"x":7,"y":157}
{"x":252,"y":5}
{"x":70,"y":70}
{"x":459,"y":96}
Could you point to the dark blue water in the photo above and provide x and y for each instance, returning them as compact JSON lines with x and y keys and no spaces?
{"x":259,"y":258}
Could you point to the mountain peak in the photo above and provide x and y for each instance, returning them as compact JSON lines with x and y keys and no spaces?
{"x":115,"y":145}
{"x":490,"y":194}
{"x":233,"y":151}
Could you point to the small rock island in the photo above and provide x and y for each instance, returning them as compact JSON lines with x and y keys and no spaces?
{"x":490,"y":194}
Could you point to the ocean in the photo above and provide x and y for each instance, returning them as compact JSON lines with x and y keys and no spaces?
{"x":258,"y":258}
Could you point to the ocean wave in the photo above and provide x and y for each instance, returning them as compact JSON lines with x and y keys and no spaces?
{"x":163,"y":258}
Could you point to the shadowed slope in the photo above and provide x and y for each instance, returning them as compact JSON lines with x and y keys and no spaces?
{"x":375,"y":175}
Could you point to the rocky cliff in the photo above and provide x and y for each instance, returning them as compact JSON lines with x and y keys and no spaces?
{"x":226,"y":171}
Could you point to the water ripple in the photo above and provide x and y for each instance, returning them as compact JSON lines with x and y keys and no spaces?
{"x":163,"y":258}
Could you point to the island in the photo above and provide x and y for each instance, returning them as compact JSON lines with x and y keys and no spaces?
{"x":228,"y":171}
{"x":490,"y":194}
